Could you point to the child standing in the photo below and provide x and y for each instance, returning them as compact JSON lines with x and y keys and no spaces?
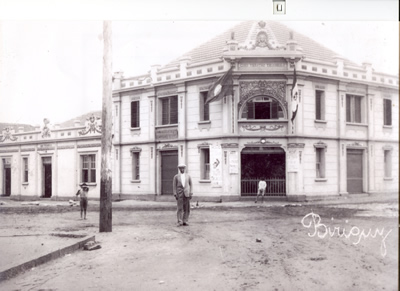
{"x":262,"y":185}
{"x":84,"y":199}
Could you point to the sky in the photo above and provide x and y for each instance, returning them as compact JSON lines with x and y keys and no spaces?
{"x":53,"y":69}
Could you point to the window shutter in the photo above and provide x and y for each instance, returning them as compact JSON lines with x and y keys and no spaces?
{"x":348,"y":108}
{"x":250,"y":110}
{"x":174,"y":110}
{"x":274,"y":110}
{"x":387,"y":109}
{"x":357,"y":109}
{"x":135,"y":114}
{"x":206,"y":112}
{"x":318,"y":105}
{"x":165,"y":111}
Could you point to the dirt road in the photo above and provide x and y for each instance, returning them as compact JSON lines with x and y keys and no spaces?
{"x":252,"y":248}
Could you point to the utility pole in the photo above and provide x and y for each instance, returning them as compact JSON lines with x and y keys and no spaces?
{"x":106,"y":135}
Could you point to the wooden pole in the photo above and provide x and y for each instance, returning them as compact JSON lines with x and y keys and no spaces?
{"x":106,"y":135}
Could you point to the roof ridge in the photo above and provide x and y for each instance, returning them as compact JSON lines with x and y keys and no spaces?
{"x":246,"y":32}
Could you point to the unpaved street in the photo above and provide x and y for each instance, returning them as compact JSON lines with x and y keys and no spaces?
{"x":251,"y":248}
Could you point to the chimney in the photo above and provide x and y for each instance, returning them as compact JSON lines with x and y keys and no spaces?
{"x":20,"y":129}
{"x":77,"y":122}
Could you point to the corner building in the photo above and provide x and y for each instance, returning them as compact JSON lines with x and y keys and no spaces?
{"x":342,"y":141}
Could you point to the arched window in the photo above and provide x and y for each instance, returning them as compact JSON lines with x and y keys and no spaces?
{"x":262,"y":107}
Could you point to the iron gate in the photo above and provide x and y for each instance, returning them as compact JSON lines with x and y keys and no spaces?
{"x":275,"y":187}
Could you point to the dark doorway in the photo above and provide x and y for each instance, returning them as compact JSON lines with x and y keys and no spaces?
{"x":7,"y":177}
{"x":47,"y":177}
{"x":266,"y":163}
{"x":169,"y":164}
{"x":354,"y":171}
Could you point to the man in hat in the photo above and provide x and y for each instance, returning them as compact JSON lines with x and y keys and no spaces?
{"x":84,"y":200}
{"x":182,"y":187}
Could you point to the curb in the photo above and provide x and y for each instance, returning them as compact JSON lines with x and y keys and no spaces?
{"x":14,"y":271}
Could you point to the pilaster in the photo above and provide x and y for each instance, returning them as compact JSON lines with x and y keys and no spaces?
{"x":341,"y":105}
{"x":182,"y":111}
{"x":294,"y":168}
{"x":342,"y":168}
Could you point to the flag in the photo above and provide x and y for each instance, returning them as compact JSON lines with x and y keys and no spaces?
{"x":295,"y":96}
{"x":223,"y":86}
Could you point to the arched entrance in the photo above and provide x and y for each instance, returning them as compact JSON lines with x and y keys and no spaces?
{"x":268,"y":163}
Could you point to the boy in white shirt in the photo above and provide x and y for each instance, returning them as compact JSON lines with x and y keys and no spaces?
{"x":262,"y":185}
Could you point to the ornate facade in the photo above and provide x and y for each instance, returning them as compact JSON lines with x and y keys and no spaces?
{"x":342,"y":140}
{"x":50,"y":161}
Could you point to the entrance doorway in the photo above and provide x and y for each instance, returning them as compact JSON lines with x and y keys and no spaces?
{"x":263,"y":163}
{"x":354,"y":171}
{"x":169,"y":164}
{"x":7,"y":177}
{"x":47,"y":177}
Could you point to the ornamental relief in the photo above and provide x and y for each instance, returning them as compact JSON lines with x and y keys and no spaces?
{"x":93,"y":125}
{"x":7,"y":135}
{"x":262,"y":128}
{"x":275,"y":89}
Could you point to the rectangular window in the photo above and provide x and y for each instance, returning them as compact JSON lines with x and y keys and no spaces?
{"x":205,"y":164}
{"x":319,"y":105}
{"x":204,"y":108}
{"x":135,"y":166}
{"x":320,"y":162}
{"x":387,"y":112}
{"x":169,"y":110}
{"x":353,"y":108}
{"x":88,"y":168}
{"x":25,"y":170}
{"x":388,"y":163}
{"x":135,"y":114}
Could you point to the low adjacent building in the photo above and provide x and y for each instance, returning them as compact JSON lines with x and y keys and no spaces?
{"x":51,"y":161}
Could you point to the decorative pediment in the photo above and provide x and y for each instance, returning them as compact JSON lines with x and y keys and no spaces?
{"x":261,"y":37}
{"x":7,"y":135}
{"x":93,"y":125}
{"x":169,"y":146}
{"x":320,"y":144}
{"x":135,"y":149}
{"x":203,"y":145}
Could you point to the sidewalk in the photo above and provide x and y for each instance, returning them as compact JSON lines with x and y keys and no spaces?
{"x":249,"y":202}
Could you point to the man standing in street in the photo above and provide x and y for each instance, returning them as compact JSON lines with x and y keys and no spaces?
{"x":182,"y":187}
